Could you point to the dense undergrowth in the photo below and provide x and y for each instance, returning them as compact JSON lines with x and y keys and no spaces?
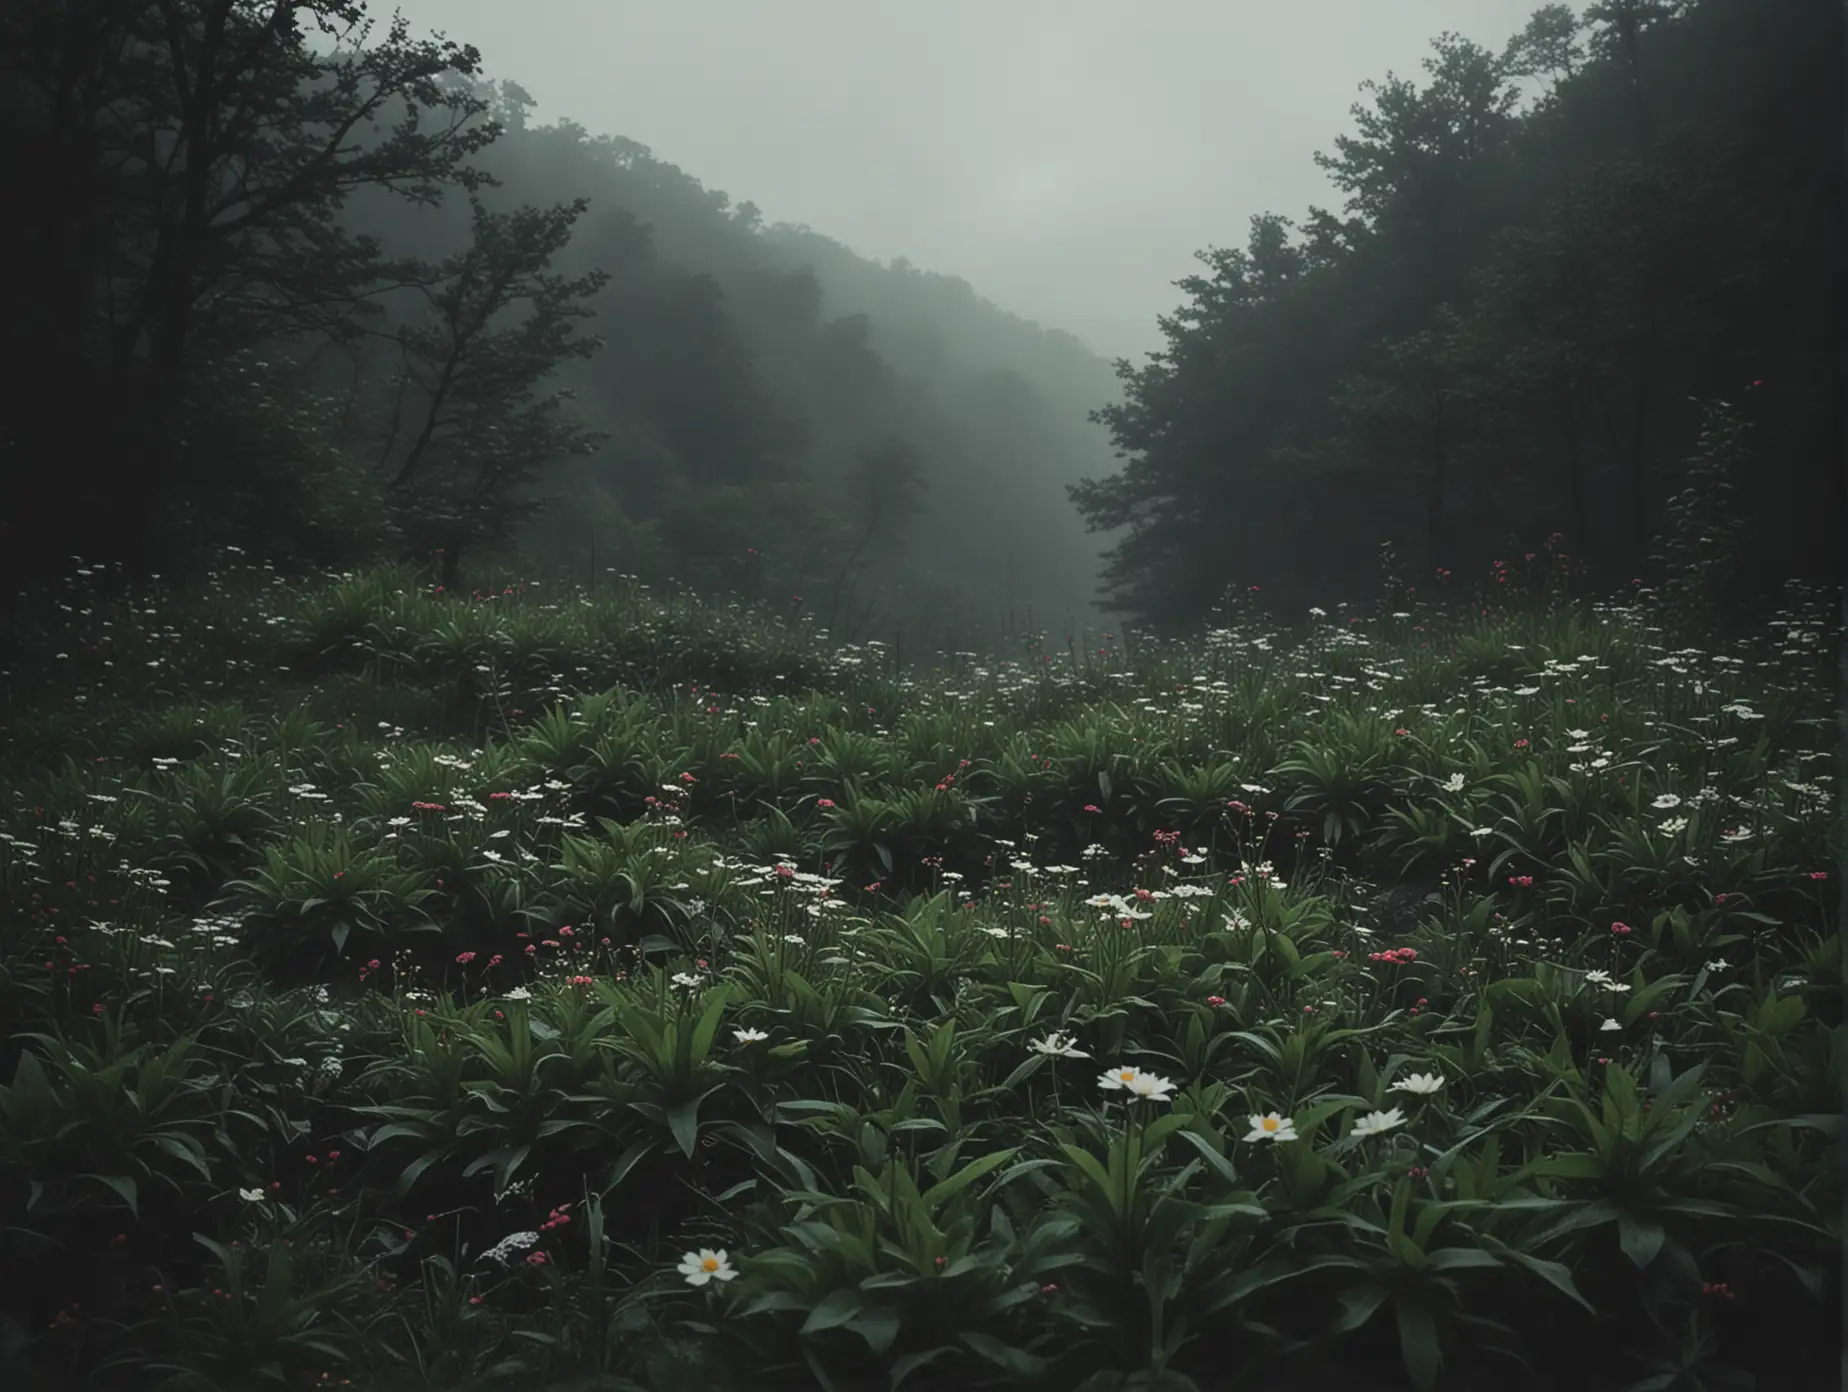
{"x":401,"y":985}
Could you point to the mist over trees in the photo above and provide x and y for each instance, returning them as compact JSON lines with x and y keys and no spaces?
{"x":299,"y":282}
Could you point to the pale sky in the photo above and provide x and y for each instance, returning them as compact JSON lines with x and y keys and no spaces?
{"x":1065,"y":157}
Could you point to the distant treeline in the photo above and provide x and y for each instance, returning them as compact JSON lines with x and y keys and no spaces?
{"x":322,"y":291}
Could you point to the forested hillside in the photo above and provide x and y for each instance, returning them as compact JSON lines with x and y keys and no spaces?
{"x":1521,"y":322}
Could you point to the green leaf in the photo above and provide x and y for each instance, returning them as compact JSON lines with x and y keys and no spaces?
{"x":683,"y":1122}
{"x":1554,"y":1274}
{"x":1572,"y":1165}
{"x":1357,"y":1307}
{"x":1459,"y":1258}
{"x":1214,"y":1160}
{"x":177,"y":1148}
{"x":625,"y":1162}
{"x":904,"y":1367}
{"x":1418,"y":1343}
{"x":1019,"y":1362}
{"x":966,"y":1176}
{"x":1641,"y":1241}
{"x":834,"y":1311}
{"x":708,"y":1026}
{"x":409,"y":1175}
{"x":125,"y":1186}
{"x":878,"y":1326}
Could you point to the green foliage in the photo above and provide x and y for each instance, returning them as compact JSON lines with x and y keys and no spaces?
{"x":610,"y":982}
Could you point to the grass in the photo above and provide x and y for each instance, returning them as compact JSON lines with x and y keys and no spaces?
{"x":406,"y":983}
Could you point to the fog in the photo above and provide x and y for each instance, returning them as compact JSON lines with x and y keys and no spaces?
{"x":1066,"y":157}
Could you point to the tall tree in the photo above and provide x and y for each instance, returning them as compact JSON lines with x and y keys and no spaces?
{"x":484,"y":430}
{"x":186,"y":162}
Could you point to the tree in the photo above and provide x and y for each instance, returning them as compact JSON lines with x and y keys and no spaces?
{"x":184,"y":164}
{"x":1548,"y":45}
{"x":484,"y":431}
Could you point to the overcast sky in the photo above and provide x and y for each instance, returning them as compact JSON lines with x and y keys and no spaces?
{"x":1066,"y":157}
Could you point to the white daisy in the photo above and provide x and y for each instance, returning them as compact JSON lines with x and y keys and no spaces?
{"x":1421,"y":1084}
{"x":1272,"y":1126}
{"x":706,"y":1265}
{"x":1056,"y":1045}
{"x":1124,"y":1078}
{"x":1373,"y":1123}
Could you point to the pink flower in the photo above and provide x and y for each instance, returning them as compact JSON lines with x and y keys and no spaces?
{"x":824,"y":802}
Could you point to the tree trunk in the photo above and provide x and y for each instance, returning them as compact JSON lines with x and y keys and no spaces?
{"x":452,"y":565}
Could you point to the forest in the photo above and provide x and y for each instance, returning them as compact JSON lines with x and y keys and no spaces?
{"x":600,"y":793}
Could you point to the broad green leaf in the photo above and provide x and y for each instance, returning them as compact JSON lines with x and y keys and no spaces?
{"x":835,"y":1310}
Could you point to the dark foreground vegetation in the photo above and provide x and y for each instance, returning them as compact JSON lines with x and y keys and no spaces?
{"x":413,"y":990}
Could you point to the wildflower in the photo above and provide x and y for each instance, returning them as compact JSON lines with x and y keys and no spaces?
{"x":1373,"y":1123}
{"x":749,"y":1036}
{"x":1056,"y":1045}
{"x":1215,"y":1000}
{"x":1609,"y":1025}
{"x":1272,"y":1126}
{"x":706,"y":1265}
{"x":1421,"y":1084}
{"x":690,"y":980}
{"x":1137,"y":1083}
{"x":250,"y":1195}
{"x":1454,"y":783}
{"x":1665,"y":802}
{"x":508,"y":1245}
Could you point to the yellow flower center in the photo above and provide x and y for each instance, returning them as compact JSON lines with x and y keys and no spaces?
{"x":1128,"y":1075}
{"x":1270,"y":1123}
{"x":710,"y":1264}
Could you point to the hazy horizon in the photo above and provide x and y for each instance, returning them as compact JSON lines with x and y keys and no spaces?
{"x":1067,"y":161}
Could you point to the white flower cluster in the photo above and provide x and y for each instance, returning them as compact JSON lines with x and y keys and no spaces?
{"x":504,"y":1250}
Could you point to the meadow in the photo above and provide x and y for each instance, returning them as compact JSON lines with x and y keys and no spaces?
{"x":550,"y":989}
